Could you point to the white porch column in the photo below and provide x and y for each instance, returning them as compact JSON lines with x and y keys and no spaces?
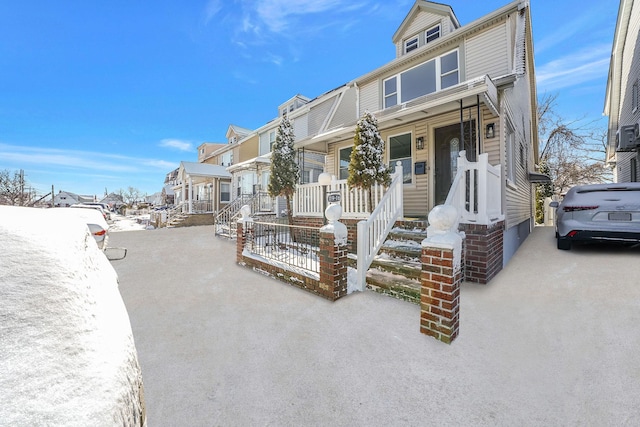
{"x":183,"y":193}
{"x":190,"y":194}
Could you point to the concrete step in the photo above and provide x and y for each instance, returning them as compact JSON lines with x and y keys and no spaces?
{"x":405,"y":249}
{"x":415,"y":235}
{"x":394,"y":285}
{"x":408,"y":267}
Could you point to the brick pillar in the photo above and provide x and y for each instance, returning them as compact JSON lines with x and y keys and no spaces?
{"x":483,"y":251}
{"x":440,"y":291}
{"x":243,"y":228}
{"x":333,"y":266}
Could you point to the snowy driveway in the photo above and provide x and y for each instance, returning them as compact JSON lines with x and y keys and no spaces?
{"x":553,"y":340}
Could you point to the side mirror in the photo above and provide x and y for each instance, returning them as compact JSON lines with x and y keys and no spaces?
{"x":554,"y":204}
{"x":115,"y":254}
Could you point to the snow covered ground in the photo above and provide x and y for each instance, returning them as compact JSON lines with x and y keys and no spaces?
{"x":128,"y":223}
{"x":67,"y":354}
{"x":553,"y":340}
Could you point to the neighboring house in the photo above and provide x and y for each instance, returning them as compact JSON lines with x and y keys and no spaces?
{"x":202,"y":187}
{"x":114,"y":201}
{"x":66,"y":199}
{"x":206,"y":149}
{"x":622,"y":99}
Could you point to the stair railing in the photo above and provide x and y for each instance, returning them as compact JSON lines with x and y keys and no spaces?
{"x":373,"y":231}
{"x":475,"y":191}
{"x":175,"y":211}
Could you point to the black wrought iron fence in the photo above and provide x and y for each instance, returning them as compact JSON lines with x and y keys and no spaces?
{"x":293,"y":245}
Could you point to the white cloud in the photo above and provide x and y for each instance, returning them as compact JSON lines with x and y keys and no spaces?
{"x":574,"y":68}
{"x":14,"y":156}
{"x":211,"y":10}
{"x":177,"y":144}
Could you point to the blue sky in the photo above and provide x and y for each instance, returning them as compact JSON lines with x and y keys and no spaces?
{"x":107,"y":95}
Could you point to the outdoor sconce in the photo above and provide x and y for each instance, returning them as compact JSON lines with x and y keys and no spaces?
{"x":420,"y":143}
{"x":490,"y":131}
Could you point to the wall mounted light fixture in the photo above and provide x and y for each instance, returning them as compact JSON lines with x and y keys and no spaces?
{"x":490,"y":130}
{"x":420,"y":143}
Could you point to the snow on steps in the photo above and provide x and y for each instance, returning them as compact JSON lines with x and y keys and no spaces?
{"x":396,"y":270}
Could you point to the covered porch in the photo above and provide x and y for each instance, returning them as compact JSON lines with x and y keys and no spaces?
{"x":202,"y":187}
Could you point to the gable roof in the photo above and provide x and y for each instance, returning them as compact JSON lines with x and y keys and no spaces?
{"x":205,"y":169}
{"x":424,"y":6}
{"x":240,"y":131}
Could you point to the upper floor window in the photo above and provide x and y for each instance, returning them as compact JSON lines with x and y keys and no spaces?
{"x":272,"y":139}
{"x":400,"y":150}
{"x":431,"y":76}
{"x":345,"y":158}
{"x":634,"y":96}
{"x":411,"y":44}
{"x":432,"y":34}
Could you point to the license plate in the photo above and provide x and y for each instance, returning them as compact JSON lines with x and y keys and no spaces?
{"x":619,"y":216}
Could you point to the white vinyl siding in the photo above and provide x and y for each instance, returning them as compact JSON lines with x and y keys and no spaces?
{"x":488,"y":53}
{"x":369,"y":99}
{"x":300,"y":126}
{"x":346,"y":110}
{"x":318,"y":116}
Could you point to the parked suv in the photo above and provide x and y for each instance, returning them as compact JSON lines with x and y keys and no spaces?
{"x":599,"y":213}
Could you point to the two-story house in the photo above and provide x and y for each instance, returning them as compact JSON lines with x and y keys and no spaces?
{"x":622,"y":98}
{"x":451,"y":88}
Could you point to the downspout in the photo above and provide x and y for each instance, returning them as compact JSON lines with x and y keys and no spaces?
{"x":462,"y":128}
{"x":479,"y":126}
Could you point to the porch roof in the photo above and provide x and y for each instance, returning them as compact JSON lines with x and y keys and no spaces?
{"x":204,"y":170}
{"x":251,"y":163}
{"x":465,"y":94}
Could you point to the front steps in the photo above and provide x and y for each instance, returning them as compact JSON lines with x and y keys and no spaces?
{"x":396,"y":270}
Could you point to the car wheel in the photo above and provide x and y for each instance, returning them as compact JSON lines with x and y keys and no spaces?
{"x":564,"y":244}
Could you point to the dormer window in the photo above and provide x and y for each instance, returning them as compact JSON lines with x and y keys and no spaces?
{"x":411,"y":44}
{"x":432,"y":34}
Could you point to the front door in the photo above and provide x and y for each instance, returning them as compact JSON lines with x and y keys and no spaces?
{"x":447,"y":147}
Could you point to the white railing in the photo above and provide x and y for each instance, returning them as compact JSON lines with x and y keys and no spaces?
{"x":373,"y":231}
{"x":308,"y":199}
{"x":476,"y":192}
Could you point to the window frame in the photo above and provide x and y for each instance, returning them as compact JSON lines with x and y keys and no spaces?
{"x":438,"y":32}
{"x":340,"y":168}
{"x":635,"y":97}
{"x":438,"y":75}
{"x":228,"y":193}
{"x":414,"y":42}
{"x":391,"y":162}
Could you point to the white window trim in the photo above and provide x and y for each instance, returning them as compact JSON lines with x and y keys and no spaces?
{"x":429,"y":29}
{"x":413,"y":153}
{"x":438,"y":74}
{"x":414,"y":42}
{"x":350,"y":147}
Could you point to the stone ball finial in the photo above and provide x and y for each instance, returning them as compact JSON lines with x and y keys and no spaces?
{"x":443,"y":218}
{"x":333,"y":212}
{"x":245,"y":211}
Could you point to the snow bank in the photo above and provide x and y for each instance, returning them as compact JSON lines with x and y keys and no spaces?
{"x":68,"y":355}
